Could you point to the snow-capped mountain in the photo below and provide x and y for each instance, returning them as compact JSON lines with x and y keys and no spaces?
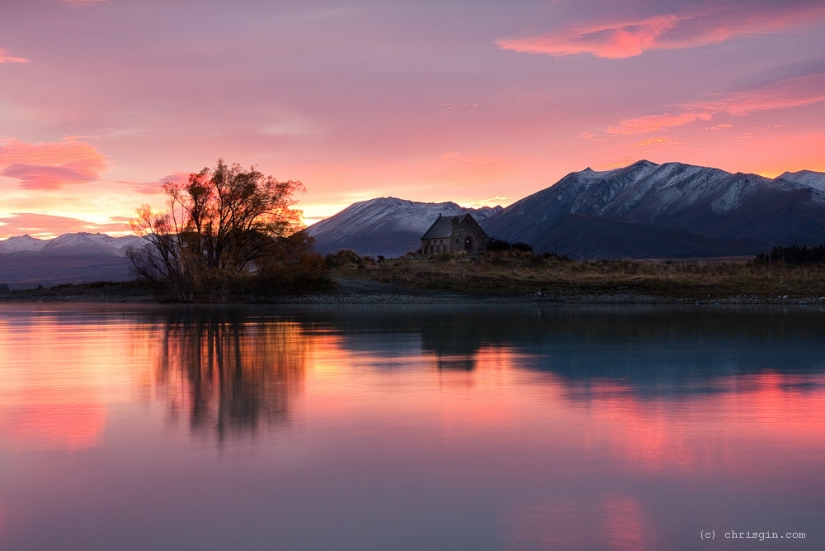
{"x":815,"y":180}
{"x":23,"y":243}
{"x":385,"y":226}
{"x":70,"y":258}
{"x":645,"y":210}
{"x":72,"y":244}
{"x":747,"y":211}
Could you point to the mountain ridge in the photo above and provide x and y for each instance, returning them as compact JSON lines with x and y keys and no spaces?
{"x":26,"y":262}
{"x":71,"y":244}
{"x":705,"y":201}
{"x":385,"y":226}
{"x":644,"y":210}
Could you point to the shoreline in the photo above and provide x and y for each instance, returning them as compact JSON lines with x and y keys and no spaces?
{"x":367,"y":291}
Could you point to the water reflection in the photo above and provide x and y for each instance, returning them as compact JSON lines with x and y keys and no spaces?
{"x":420,"y":428}
{"x":227,"y":373}
{"x":651,"y":350}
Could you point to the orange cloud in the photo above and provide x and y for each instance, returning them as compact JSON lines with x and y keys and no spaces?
{"x":487,"y":162}
{"x":654,"y":123}
{"x":51,"y":165}
{"x":6,"y":58}
{"x":696,"y":27}
{"x":664,"y":141}
{"x":47,"y":226}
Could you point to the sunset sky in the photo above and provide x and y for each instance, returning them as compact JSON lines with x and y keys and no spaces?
{"x":476,"y":102}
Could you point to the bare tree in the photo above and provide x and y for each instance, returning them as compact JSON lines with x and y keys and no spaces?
{"x":217,"y":226}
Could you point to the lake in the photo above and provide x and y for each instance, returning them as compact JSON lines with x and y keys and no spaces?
{"x":411,"y":428}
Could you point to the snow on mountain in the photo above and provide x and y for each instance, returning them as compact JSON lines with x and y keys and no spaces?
{"x":72,"y":244}
{"x":385,"y":226}
{"x":809,"y":178}
{"x":704,"y":201}
{"x":90,"y":243}
{"x":27,"y":262}
{"x":23,"y":243}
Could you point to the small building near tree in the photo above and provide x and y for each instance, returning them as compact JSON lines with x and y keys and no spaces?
{"x":450,"y":234}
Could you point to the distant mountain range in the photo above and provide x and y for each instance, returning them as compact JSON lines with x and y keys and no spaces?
{"x":644,"y":210}
{"x":385,"y":226}
{"x":26,"y":262}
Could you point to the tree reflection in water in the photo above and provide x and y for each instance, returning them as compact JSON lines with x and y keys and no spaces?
{"x":230,"y":373}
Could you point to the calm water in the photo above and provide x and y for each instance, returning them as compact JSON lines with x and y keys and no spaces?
{"x":387,"y":428}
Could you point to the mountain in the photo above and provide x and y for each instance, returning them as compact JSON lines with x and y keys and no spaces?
{"x":23,"y":243}
{"x":90,"y":243}
{"x":717,"y":213}
{"x":27,"y":262}
{"x":591,"y":237}
{"x":71,"y":244}
{"x":644,"y":210}
{"x":808,"y":178}
{"x":385,"y":226}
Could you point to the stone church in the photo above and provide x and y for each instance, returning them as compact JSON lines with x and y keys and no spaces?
{"x":450,"y":234}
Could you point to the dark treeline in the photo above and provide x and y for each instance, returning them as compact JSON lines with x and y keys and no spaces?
{"x":502,"y":245}
{"x":793,"y":255}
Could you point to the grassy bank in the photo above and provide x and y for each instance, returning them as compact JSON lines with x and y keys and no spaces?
{"x":101,"y":291}
{"x":515,"y":272}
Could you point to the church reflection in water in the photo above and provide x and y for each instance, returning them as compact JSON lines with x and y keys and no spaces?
{"x":229,"y":374}
{"x":233,"y":371}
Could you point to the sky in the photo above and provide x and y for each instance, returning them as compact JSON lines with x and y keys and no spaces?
{"x":477,"y":102}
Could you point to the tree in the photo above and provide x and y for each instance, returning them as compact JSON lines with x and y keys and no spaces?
{"x":219,"y":226}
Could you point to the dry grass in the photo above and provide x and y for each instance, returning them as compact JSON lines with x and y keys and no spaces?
{"x":515,"y":272}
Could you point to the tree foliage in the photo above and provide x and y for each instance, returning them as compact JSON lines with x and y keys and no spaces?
{"x":220,"y":227}
{"x":501,"y":245}
{"x":793,"y":255}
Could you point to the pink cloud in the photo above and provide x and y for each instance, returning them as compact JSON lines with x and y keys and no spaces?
{"x":792,"y":92}
{"x":6,"y":58}
{"x":51,"y":165}
{"x":654,"y":123}
{"x":46,"y":225}
{"x":151,"y":188}
{"x":709,"y":24}
{"x":612,"y":41}
{"x":787,"y":93}
{"x":82,"y":2}
{"x":588,"y":136}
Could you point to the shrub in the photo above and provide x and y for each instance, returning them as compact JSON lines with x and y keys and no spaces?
{"x":793,"y":255}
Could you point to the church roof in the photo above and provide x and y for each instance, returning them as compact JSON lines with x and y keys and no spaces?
{"x":442,"y":227}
